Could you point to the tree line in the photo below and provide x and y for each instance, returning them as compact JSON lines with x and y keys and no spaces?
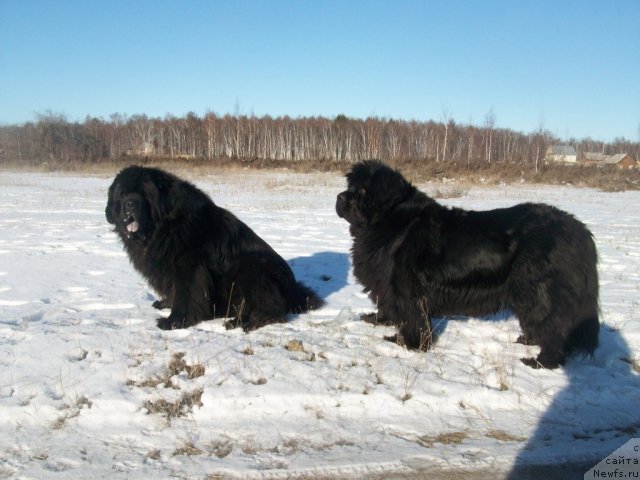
{"x":341,"y":139}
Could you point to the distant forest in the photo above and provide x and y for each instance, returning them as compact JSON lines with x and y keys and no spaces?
{"x":241,"y":137}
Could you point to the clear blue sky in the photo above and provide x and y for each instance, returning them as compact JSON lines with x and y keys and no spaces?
{"x":572,"y":66}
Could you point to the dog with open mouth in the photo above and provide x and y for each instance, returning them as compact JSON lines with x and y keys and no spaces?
{"x":200,"y":258}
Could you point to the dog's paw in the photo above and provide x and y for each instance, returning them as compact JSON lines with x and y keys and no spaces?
{"x":524,"y":340}
{"x":397,"y":339}
{"x":160,"y":304}
{"x":549,"y":362}
{"x":239,"y":323}
{"x":531,"y":362}
{"x":375,"y":319}
{"x":165,"y":324}
{"x":421,"y":346}
{"x":370,"y":318}
{"x":171,"y":323}
{"x":537,"y":363}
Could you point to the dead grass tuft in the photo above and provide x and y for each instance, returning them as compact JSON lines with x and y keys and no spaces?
{"x":154,"y":454}
{"x":178,"y":365}
{"x":295,"y":346}
{"x":179,"y":408}
{"x":175,"y":366}
{"x":503,"y":436}
{"x":61,"y":421}
{"x":188,"y":449}
{"x":73,"y":411}
{"x":221,"y":448}
{"x":449,"y":438}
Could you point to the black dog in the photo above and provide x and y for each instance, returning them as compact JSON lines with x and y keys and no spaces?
{"x":200,"y":258}
{"x":418,"y":259}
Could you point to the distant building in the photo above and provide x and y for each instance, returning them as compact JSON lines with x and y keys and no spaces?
{"x":592,"y":158}
{"x":621,"y":160}
{"x":561,"y":154}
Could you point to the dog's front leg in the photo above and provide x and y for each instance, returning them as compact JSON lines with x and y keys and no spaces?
{"x":191,"y":302}
{"x":414,"y":324}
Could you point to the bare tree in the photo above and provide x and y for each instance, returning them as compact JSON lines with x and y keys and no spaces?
{"x":446,"y":120}
{"x":340,"y":139}
{"x":489,"y":124}
{"x":539,"y":140}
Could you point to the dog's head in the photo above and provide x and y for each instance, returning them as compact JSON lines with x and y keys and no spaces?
{"x":136,"y":202}
{"x":373,"y":190}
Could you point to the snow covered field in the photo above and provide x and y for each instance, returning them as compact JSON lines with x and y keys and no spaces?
{"x":90,"y":388}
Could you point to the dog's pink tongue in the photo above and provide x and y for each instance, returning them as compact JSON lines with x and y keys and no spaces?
{"x":132,"y":227}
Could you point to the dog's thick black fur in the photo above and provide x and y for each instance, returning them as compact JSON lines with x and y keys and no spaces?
{"x":418,"y":259}
{"x":202,"y":260}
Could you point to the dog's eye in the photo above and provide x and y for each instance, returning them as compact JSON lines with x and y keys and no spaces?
{"x":362,"y":191}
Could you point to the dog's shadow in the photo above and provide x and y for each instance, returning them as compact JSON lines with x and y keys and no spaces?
{"x":596,"y":413}
{"x":324,"y":272}
{"x":439,"y":324}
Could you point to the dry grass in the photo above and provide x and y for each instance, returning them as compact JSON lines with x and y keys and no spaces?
{"x":72,"y":411}
{"x":503,"y":436}
{"x":221,"y":448}
{"x":154,"y":454}
{"x":295,"y":346}
{"x":178,"y":408}
{"x":185,"y":403}
{"x":175,"y":366}
{"x":448,"y":438}
{"x":188,"y":449}
{"x":248,"y":351}
{"x":60,"y":422}
{"x":606,"y":179}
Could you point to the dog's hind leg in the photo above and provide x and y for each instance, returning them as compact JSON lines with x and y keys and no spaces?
{"x":551,"y":335}
{"x":552,"y":354}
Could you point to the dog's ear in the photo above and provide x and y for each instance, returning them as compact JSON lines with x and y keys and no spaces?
{"x":154,"y":196}
{"x":110,"y":204}
{"x":161,"y":194}
{"x":390,"y":188}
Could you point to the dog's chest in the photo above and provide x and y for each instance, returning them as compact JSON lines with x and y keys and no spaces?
{"x":372,"y":265}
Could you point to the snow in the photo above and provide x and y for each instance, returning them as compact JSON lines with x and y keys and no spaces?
{"x":91,"y":388}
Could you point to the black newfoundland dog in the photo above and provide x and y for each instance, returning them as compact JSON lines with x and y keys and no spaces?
{"x":198,"y":257}
{"x":418,"y":259}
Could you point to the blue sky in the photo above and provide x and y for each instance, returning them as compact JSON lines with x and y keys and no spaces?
{"x":571,"y":66}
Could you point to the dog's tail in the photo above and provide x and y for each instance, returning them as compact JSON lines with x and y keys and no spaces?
{"x":303,"y":299}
